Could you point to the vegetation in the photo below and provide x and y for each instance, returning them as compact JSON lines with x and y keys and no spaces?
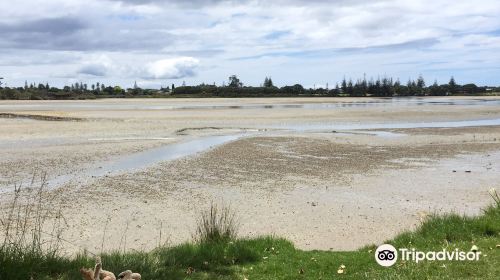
{"x":216,"y":224}
{"x":382,"y":87}
{"x":218,"y":254}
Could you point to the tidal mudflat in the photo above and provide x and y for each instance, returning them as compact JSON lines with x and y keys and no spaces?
{"x":324,"y":173}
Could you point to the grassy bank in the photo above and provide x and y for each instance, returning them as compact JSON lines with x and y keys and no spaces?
{"x":221,"y":256}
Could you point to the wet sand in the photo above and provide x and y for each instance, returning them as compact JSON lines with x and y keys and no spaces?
{"x":322,"y":189}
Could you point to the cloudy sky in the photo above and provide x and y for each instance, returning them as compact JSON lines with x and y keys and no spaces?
{"x":159,"y":42}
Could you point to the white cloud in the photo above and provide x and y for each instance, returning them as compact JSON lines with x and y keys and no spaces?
{"x":100,"y":66}
{"x":171,"y":68}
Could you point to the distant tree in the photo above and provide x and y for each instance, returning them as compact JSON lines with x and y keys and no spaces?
{"x":398,"y":90}
{"x":387,"y":88}
{"x":420,"y":82}
{"x":350,"y":88}
{"x":378,"y":87}
{"x":420,"y":86}
{"x":359,"y":88}
{"x":336,"y":91}
{"x":234,"y":82}
{"x":452,"y":86}
{"x":344,"y":85}
{"x":434,"y":89}
{"x":293,"y":90}
{"x":412,"y":88}
{"x":364,"y":85}
{"x":383,"y":87}
{"x":470,"y":89}
{"x":268,"y":82}
{"x":117,"y":90}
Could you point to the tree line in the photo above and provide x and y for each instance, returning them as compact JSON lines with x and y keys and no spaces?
{"x":380,"y":87}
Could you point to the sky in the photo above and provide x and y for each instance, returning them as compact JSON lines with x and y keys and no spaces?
{"x":311,"y":42}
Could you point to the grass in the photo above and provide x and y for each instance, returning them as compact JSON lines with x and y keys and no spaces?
{"x":226,"y":257}
{"x":217,"y":224}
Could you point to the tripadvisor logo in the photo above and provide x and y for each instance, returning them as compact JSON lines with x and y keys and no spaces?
{"x":386,"y":255}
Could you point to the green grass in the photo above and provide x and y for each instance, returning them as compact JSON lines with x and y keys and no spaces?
{"x":276,"y":258}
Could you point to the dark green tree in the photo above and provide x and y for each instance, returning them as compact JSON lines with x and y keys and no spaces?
{"x":234,"y":82}
{"x":344,"y":86}
{"x":420,"y":85}
{"x":268,"y":82}
{"x":350,"y":88}
{"x":452,"y":86}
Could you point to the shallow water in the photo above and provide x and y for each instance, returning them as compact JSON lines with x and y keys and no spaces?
{"x":382,"y":102}
{"x":165,"y":153}
{"x":141,"y":160}
{"x":386,"y":125}
{"x":138,"y":161}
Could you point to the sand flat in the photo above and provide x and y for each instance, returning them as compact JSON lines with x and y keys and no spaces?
{"x":321,"y":188}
